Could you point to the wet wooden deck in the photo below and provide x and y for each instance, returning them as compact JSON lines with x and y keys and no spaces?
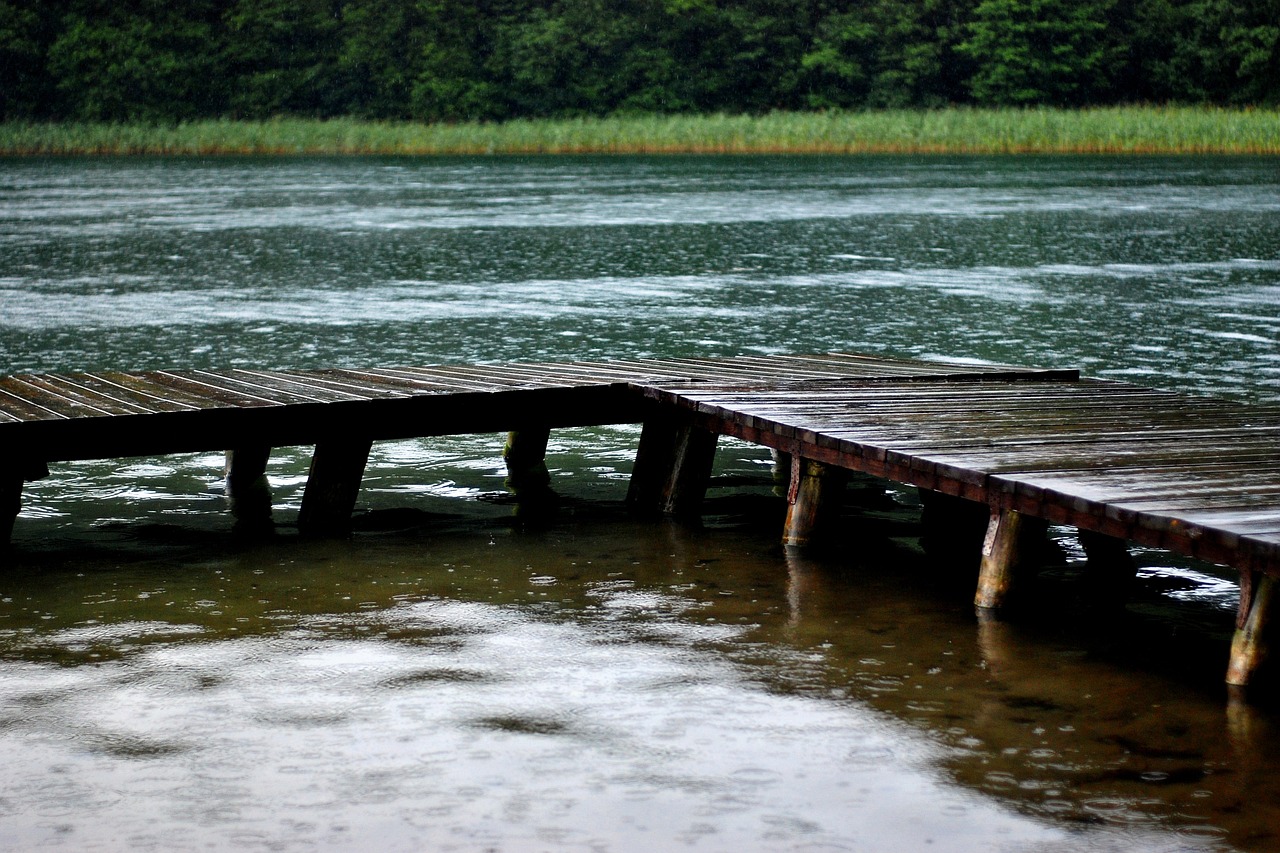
{"x":1195,"y":475}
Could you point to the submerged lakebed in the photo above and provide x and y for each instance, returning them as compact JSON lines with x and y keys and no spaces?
{"x":464,"y":675}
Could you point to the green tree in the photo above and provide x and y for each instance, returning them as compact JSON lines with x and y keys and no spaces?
{"x":451,"y":80}
{"x":26,"y":31}
{"x":917,"y":62}
{"x":840,"y":63}
{"x":283,"y":58}
{"x":1239,"y":45}
{"x":1041,"y":51}
{"x":574,"y":57}
{"x":1163,"y":62}
{"x":381,"y":48}
{"x":138,"y":60}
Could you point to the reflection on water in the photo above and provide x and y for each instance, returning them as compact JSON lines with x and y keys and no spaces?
{"x":462,"y":676}
{"x":594,"y":685}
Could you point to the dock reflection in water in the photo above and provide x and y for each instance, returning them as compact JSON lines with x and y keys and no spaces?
{"x":596,"y":684}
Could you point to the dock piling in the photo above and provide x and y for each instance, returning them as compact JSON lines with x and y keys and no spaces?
{"x":1013,"y":542}
{"x":1251,"y":645}
{"x":1110,"y":570}
{"x":337,"y":467}
{"x":952,"y":528}
{"x":11,"y":483}
{"x":525,"y":456}
{"x":10,"y":504}
{"x":672,"y":467}
{"x":247,"y":488}
{"x":815,"y":500}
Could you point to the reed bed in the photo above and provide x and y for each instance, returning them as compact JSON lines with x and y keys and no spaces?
{"x":1119,"y":130}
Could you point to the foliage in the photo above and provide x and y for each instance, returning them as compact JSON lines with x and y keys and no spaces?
{"x":487,"y":60}
{"x":1041,"y":51}
{"x":141,"y":59}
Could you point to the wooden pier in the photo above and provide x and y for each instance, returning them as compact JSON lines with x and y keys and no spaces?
{"x":1025,"y":447}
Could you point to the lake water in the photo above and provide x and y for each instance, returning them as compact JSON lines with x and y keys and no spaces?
{"x":461,"y":675}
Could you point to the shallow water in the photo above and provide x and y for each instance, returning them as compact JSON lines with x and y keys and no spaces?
{"x":465,"y":674}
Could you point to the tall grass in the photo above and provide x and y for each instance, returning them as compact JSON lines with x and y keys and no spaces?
{"x":961,"y":131}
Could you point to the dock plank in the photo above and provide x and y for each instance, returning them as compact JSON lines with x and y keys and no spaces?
{"x":1106,"y":455}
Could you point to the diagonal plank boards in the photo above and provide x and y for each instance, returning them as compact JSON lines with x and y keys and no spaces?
{"x":1199,"y":476}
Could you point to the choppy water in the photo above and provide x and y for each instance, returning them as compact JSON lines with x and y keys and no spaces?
{"x":460,"y":677}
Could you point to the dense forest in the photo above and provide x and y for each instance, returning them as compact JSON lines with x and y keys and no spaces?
{"x":451,"y":60}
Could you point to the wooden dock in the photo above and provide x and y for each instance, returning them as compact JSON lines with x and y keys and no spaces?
{"x":1121,"y":463}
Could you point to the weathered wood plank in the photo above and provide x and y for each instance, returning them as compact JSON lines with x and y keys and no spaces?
{"x":15,"y":402}
{"x":162,"y":388}
{"x":75,"y":402}
{"x":126,"y":402}
{"x":136,"y":388}
{"x":281,"y":383}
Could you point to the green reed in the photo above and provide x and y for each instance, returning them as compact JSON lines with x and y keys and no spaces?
{"x":956,"y":130}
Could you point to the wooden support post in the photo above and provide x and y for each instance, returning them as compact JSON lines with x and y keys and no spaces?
{"x":11,"y":480}
{"x":10,"y":504}
{"x":1251,"y":644}
{"x":816,"y":499}
{"x":952,"y":528}
{"x":780,"y":470}
{"x":337,"y":466}
{"x":866,"y":491}
{"x":1014,"y":541}
{"x":248,"y":490}
{"x":1110,"y":570}
{"x":673,"y":466}
{"x":525,"y":454}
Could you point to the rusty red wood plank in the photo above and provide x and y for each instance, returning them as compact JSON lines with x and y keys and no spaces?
{"x":127,"y":402}
{"x":136,"y":387}
{"x":14,"y":400}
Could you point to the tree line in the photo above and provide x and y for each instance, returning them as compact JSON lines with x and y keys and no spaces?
{"x":452,"y":60}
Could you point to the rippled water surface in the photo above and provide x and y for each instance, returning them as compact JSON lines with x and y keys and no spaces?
{"x":469,"y":674}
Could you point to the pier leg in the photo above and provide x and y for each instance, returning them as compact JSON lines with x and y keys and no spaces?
{"x":525,"y":454}
{"x":248,"y":490}
{"x":1251,"y":644}
{"x":952,"y":527}
{"x":11,"y":480}
{"x":337,"y":467}
{"x":10,"y":504}
{"x":816,"y":499}
{"x":527,"y":476}
{"x":1013,"y":542}
{"x":780,"y":470}
{"x":1110,"y":570}
{"x":673,"y":466}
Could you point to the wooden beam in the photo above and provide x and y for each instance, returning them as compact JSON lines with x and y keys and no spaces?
{"x":525,"y":455}
{"x":1110,"y":569}
{"x":816,"y":499}
{"x":1251,"y":645}
{"x":952,"y":528}
{"x":10,"y":504}
{"x":1014,"y":541}
{"x":11,"y":479}
{"x":337,"y":467}
{"x":247,"y":489}
{"x":672,"y":468}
